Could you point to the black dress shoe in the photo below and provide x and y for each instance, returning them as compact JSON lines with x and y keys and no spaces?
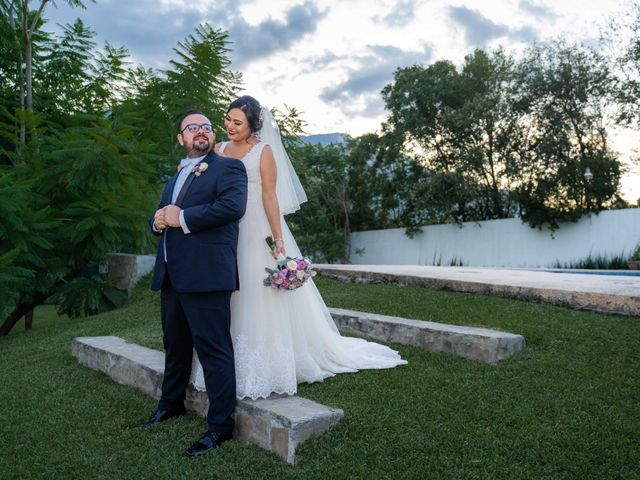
{"x":207,"y":443}
{"x":162,"y":415}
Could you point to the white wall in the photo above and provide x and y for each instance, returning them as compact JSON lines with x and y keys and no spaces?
{"x":502,"y":243}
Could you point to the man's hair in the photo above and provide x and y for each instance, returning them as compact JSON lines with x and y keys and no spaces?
{"x":192,"y":111}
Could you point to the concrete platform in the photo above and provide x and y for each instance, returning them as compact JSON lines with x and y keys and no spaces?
{"x":617,"y":294}
{"x":482,"y":344}
{"x":277,"y":424}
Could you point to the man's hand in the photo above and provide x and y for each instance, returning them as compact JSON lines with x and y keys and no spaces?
{"x":168,"y":216}
{"x":171,"y":216}
{"x":159,"y":219}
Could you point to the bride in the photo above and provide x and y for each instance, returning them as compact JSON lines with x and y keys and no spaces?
{"x":280,"y":338}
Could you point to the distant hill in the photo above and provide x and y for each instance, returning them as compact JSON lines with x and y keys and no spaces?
{"x":324,"y":139}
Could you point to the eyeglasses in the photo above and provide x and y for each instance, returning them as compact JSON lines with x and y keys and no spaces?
{"x":194,"y":127}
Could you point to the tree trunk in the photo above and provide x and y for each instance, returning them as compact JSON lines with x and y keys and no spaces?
{"x":27,"y":36}
{"x":13,"y":22}
{"x":28,"y":75}
{"x":22,"y":308}
{"x":28,"y":320}
{"x":23,"y":127}
{"x":26,"y":39}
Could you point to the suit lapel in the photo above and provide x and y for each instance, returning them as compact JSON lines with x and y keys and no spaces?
{"x":183,"y":190}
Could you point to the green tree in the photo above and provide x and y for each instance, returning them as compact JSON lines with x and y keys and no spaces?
{"x":321,"y":227}
{"x":460,"y":125}
{"x":84,"y":182}
{"x":564,"y":92}
{"x":199,"y":78}
{"x":86,"y":193}
{"x":24,"y":24}
{"x":622,"y":40}
{"x":359,"y":184}
{"x":389,"y":189}
{"x":502,"y":138}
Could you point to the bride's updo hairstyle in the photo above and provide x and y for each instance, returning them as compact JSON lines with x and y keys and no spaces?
{"x":251,"y":108}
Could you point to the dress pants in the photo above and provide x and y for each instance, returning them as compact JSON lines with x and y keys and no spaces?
{"x":202,"y":320}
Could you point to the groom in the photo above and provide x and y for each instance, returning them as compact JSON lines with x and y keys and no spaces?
{"x":196,"y":271}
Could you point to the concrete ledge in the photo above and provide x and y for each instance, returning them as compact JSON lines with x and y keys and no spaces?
{"x":482,"y":344}
{"x":126,"y":269}
{"x":607,"y":294}
{"x":277,"y":424}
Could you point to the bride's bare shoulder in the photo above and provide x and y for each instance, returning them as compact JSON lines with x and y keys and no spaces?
{"x":266,"y":157}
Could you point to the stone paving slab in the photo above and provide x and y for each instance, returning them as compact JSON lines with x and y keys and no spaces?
{"x":482,"y":344}
{"x":277,"y":424}
{"x":617,"y":294}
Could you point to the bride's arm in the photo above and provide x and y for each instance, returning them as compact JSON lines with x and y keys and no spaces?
{"x":268,"y":176}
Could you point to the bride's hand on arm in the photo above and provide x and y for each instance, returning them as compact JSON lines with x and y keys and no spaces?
{"x":269,"y":176}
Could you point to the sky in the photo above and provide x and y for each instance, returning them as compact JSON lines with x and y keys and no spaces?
{"x":331,"y":58}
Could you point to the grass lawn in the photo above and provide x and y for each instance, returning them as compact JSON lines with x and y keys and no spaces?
{"x":568,"y":406}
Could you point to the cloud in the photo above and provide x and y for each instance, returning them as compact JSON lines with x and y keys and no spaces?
{"x":400,"y":14}
{"x":148,"y":29}
{"x":151,"y":29}
{"x":479,"y":30}
{"x":315,"y":64}
{"x":537,"y":9}
{"x":272,"y":36}
{"x":359,"y":93}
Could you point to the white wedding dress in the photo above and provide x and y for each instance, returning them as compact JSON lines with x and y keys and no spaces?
{"x":281,"y":338}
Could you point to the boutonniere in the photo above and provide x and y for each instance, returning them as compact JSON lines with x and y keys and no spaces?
{"x":199,"y":168}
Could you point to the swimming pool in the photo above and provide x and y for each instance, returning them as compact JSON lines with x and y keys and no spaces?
{"x":625,"y":273}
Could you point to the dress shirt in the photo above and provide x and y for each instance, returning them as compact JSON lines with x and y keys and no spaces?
{"x":186,"y":167}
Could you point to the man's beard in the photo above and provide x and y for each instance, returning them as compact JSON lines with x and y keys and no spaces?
{"x":200,"y":146}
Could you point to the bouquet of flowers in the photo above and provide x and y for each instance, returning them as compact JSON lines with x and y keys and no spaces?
{"x":290,"y":273}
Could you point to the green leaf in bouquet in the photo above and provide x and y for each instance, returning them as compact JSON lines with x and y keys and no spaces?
{"x":271,"y":243}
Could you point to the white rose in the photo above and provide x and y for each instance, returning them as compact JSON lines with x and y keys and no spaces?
{"x":292,"y":264}
{"x":300,"y":274}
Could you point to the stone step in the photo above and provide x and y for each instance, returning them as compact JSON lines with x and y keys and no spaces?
{"x":277,"y":424}
{"x":483,"y":344}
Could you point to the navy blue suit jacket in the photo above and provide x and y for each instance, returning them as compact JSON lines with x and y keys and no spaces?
{"x":205,"y":259}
